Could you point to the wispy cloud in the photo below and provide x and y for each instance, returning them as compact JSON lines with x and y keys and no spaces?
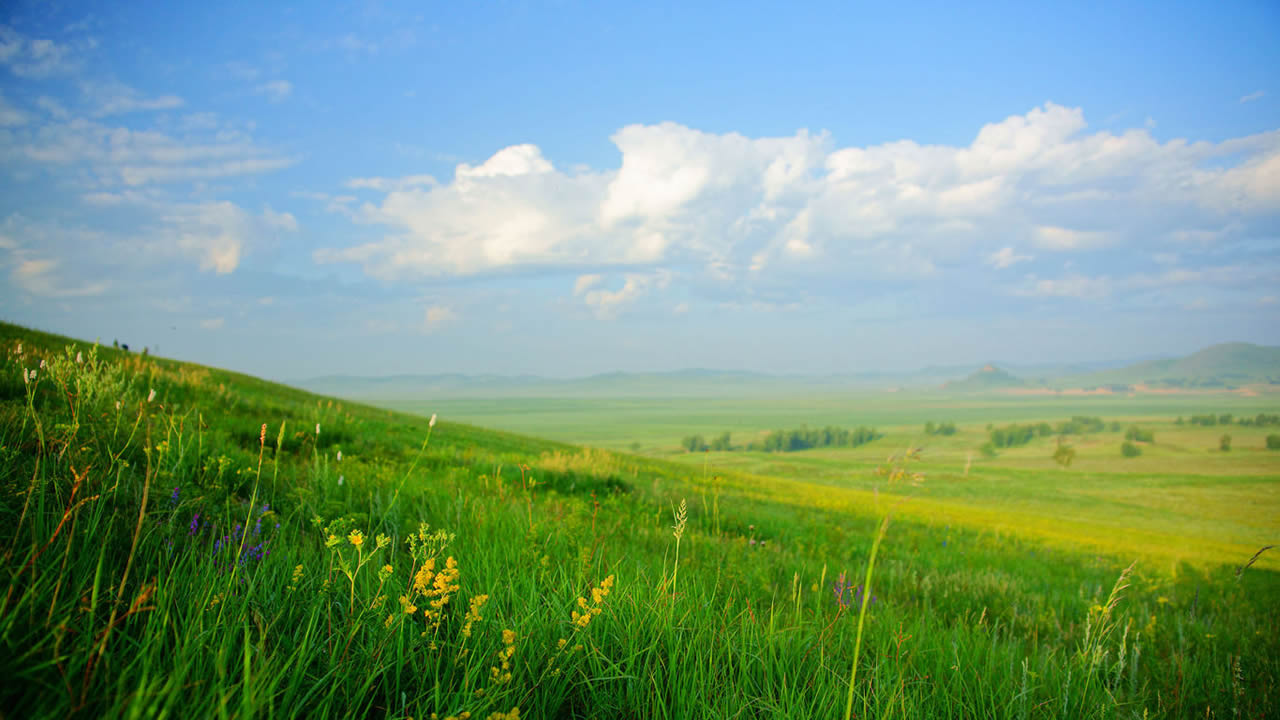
{"x":437,"y":317}
{"x":1255,"y":95}
{"x":113,"y":98}
{"x":11,"y":116}
{"x":276,"y":90}
{"x":1006,"y":257}
{"x":29,"y":57}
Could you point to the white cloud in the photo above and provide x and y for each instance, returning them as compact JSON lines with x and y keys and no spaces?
{"x":1006,"y":257}
{"x":387,"y":185}
{"x":1060,"y":238}
{"x":53,"y":107}
{"x":1073,"y":286}
{"x":217,"y":235}
{"x":33,"y":57}
{"x":37,"y":276}
{"x":585,"y":283}
{"x":276,"y":90}
{"x":437,"y":317}
{"x":11,"y":116}
{"x":1255,"y":95}
{"x":113,"y":98}
{"x":739,"y":210}
{"x":607,"y":303}
{"x":119,"y":155}
{"x":215,"y":323}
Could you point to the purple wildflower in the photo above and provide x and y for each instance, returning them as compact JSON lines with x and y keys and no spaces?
{"x":194,"y":520}
{"x":173,"y":499}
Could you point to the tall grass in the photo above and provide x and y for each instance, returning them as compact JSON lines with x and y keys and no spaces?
{"x":153,"y":567}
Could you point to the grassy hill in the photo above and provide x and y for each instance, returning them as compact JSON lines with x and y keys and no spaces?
{"x":1217,"y":366}
{"x":184,"y":540}
{"x":988,"y":377}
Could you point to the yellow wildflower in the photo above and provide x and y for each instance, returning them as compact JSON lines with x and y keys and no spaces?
{"x":356,"y":537}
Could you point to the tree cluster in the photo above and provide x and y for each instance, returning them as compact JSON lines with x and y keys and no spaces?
{"x":942,"y":428}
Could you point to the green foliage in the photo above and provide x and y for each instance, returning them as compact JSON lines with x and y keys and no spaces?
{"x":694,"y":443}
{"x":1224,"y":443}
{"x":1137,"y":434}
{"x":722,"y":442}
{"x":1129,"y":450}
{"x":806,"y":439}
{"x":1273,"y":441}
{"x":1081,"y":424}
{"x":942,"y":428}
{"x":1064,"y":455}
{"x":1014,"y":435}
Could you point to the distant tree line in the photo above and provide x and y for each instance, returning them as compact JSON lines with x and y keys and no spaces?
{"x":1210,"y":420}
{"x":788,"y":440}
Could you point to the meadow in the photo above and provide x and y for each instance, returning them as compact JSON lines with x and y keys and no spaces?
{"x":184,"y":540}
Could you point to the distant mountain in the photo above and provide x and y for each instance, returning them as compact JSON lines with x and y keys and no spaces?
{"x":1217,"y":366}
{"x":989,"y":377}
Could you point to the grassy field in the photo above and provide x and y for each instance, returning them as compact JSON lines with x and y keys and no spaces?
{"x":658,"y":423}
{"x":185,"y":540}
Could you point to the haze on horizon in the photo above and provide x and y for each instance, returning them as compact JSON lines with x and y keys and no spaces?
{"x":378,"y":188}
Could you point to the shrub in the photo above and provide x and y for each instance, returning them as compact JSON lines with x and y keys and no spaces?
{"x":694,"y":443}
{"x":1128,"y":449}
{"x":1137,"y":434}
{"x":1273,"y":442}
{"x":1224,"y":443}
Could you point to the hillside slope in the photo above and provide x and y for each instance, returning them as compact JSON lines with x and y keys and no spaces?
{"x":1222,"y":365}
{"x":179,"y":539}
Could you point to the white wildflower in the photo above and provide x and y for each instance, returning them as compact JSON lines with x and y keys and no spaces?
{"x":151,"y":395}
{"x":339,"y":456}
{"x":340,"y":479}
{"x":317,"y":428}
{"x":26,"y":376}
{"x":433,"y":420}
{"x":117,"y":406}
{"x":33,"y":376}
{"x":42,"y":364}
{"x":79,"y":358}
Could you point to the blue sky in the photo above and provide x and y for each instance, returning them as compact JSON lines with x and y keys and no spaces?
{"x":571,"y":188}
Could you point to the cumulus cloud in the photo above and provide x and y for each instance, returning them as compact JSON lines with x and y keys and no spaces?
{"x":735,"y":211}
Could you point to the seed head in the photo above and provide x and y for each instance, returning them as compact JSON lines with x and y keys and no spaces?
{"x":317,"y":429}
{"x":79,"y":358}
{"x":339,"y":456}
{"x":26,"y":376}
{"x":432,"y":423}
{"x":151,"y":395}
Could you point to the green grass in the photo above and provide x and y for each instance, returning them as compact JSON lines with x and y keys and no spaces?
{"x":114,"y":607}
